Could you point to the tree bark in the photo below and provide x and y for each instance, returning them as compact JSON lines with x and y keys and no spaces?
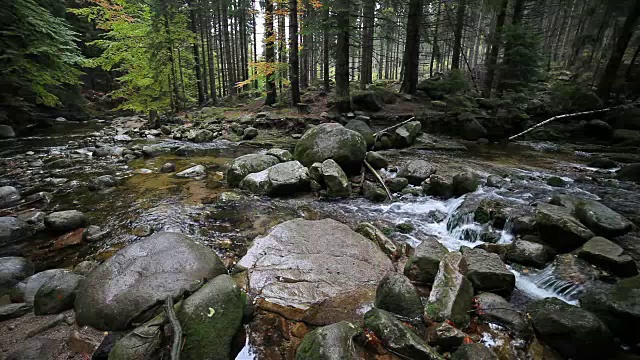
{"x":282,"y":41}
{"x":495,"y":49}
{"x":343,"y":101}
{"x":457,"y":37}
{"x":304,"y":28}
{"x":294,"y":78}
{"x":368,"y":25}
{"x":412,"y":48}
{"x":196,"y":55}
{"x":325,"y":52}
{"x":231,"y":72}
{"x":269,"y":53}
{"x":434,"y":46}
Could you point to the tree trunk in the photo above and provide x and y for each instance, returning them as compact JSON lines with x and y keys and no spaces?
{"x":412,"y":48}
{"x":495,"y":49}
{"x":343,"y":101}
{"x":435,"y":48}
{"x":368,"y":24}
{"x":196,"y":55}
{"x":231,"y":72}
{"x":282,"y":41}
{"x":325,"y":53}
{"x":457,"y":37}
{"x":610,"y":71}
{"x":627,"y":74}
{"x":255,"y":41}
{"x":269,"y":53}
{"x":205,"y":72}
{"x":210,"y":45}
{"x":304,"y":28}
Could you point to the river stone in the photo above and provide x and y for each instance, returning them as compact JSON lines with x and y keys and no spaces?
{"x":210,"y":318}
{"x":422,"y":266}
{"x":601,"y":220}
{"x":249,"y":133}
{"x":474,"y":351}
{"x":26,"y":289}
{"x":168,"y":168}
{"x":6,"y":132}
{"x":13,"y":229}
{"x":141,"y":343}
{"x":602,"y":163}
{"x":570,"y":330}
{"x":38,"y":348}
{"x":103,"y":182}
{"x":336,"y":180}
{"x":559,"y":229}
{"x":629,"y":172}
{"x":618,"y":306}
{"x":397,"y":337}
{"x":281,"y":154}
{"x":495,"y":181}
{"x":609,"y":256}
{"x":192,"y":172}
{"x":257,"y":183}
{"x":65,"y":221}
{"x":376,"y":160}
{"x":332,"y":141}
{"x":445,"y":336}
{"x":405,"y":135}
{"x":141,"y":275}
{"x":566,"y":201}
{"x":8,"y":196}
{"x":487,"y":272}
{"x":438,"y":186}
{"x":378,"y":237}
{"x":331,"y":342}
{"x":494,"y":308}
{"x":57,"y":295}
{"x":374,"y":192}
{"x":396,"y":184}
{"x":12,"y":311}
{"x":464,"y":183}
{"x":363,"y":129}
{"x":13,"y":269}
{"x":528,"y":253}
{"x":451,"y":294}
{"x":416,"y":171}
{"x":248,"y":164}
{"x":288,"y":178}
{"x":300,"y":263}
{"x":396,"y":294}
{"x":203,"y":136}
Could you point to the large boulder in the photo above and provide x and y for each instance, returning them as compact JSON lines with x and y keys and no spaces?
{"x":332,"y":141}
{"x":203,"y":136}
{"x":331,"y":342}
{"x":13,"y":229}
{"x":464,"y":183}
{"x":416,"y":171}
{"x":396,"y":294}
{"x":64,"y":221}
{"x":13,"y":269}
{"x":598,"y":129}
{"x":363,"y":129}
{"x":8,"y":196}
{"x":609,"y":256}
{"x":6,"y":132}
{"x":210,"y":318}
{"x":366,"y":101}
{"x":600,"y":219}
{"x":302,"y":263}
{"x":570,"y":330}
{"x":438,"y":186}
{"x":248,"y":164}
{"x":495,"y":309}
{"x":335,"y":178}
{"x":629,"y":172}
{"x":288,"y":178}
{"x":452,"y":293}
{"x":422,"y":266}
{"x":528,"y":253}
{"x":57,"y":295}
{"x":376,"y":160}
{"x":142,"y":275}
{"x":559,"y":229}
{"x":26,"y":289}
{"x":487,"y":272}
{"x":405,"y":135}
{"x":257,"y":183}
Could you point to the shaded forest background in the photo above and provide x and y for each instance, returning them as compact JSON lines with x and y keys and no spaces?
{"x":82,"y":56}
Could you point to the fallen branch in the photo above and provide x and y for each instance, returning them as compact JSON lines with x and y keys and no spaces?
{"x":175,"y":325}
{"x":46,"y":326}
{"x":375,"y":173}
{"x":393,"y":127}
{"x":558,"y":117}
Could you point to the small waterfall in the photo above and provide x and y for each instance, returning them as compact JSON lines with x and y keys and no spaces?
{"x":547,"y":284}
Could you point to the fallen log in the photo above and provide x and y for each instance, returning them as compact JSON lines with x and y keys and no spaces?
{"x":375,"y":173}
{"x":556,"y":118}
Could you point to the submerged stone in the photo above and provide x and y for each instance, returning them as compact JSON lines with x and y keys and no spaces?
{"x":331,"y":342}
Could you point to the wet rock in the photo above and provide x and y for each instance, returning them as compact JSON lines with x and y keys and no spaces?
{"x":618,"y":306}
{"x":8,"y":196}
{"x":141,"y":343}
{"x":6,"y":132}
{"x":38,"y":348}
{"x":376,"y":160}
{"x":600,"y":219}
{"x":142,"y":275}
{"x":629,"y":172}
{"x":528,"y":253}
{"x":84,"y":268}
{"x":452,"y":293}
{"x":487,"y":272}
{"x":94,"y":233}
{"x":168,"y":168}
{"x":405,"y":135}
{"x":25,"y":290}
{"x":103,"y":151}
{"x":249,"y":133}
{"x":281,"y":154}
{"x":473,"y":130}
{"x":363,"y":129}
{"x":332,"y":141}
{"x":185,"y":150}
{"x":13,"y":229}
{"x":303,"y":263}
{"x":13,"y":269}
{"x":288,"y":178}
{"x":603,"y":163}
{"x":202,"y":136}
{"x":523,"y":225}
{"x":609,"y":256}
{"x":12,"y":311}
{"x":396,"y":294}
{"x":154,"y":150}
{"x":396,"y":184}
{"x":34,"y":218}
{"x":248,"y":164}
{"x":103,"y":182}
{"x":445,"y":336}
{"x":422,"y":266}
{"x":374,"y":192}
{"x":495,"y":181}
{"x":378,"y":237}
{"x":475,"y":351}
{"x":416,"y":171}
{"x":555,"y":181}
{"x":210,"y":318}
{"x":464,"y":183}
{"x":598,"y":129}
{"x":438,"y":186}
{"x":335,"y":179}
{"x":331,"y":342}
{"x":59,"y":164}
{"x":257,"y":183}
{"x":366,"y":101}
{"x":397,"y":337}
{"x":570,"y":330}
{"x":142,"y":230}
{"x":495,"y":309}
{"x":57,"y":295}
{"x":64,"y":221}
{"x":559,"y":229}
{"x":193,"y":172}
